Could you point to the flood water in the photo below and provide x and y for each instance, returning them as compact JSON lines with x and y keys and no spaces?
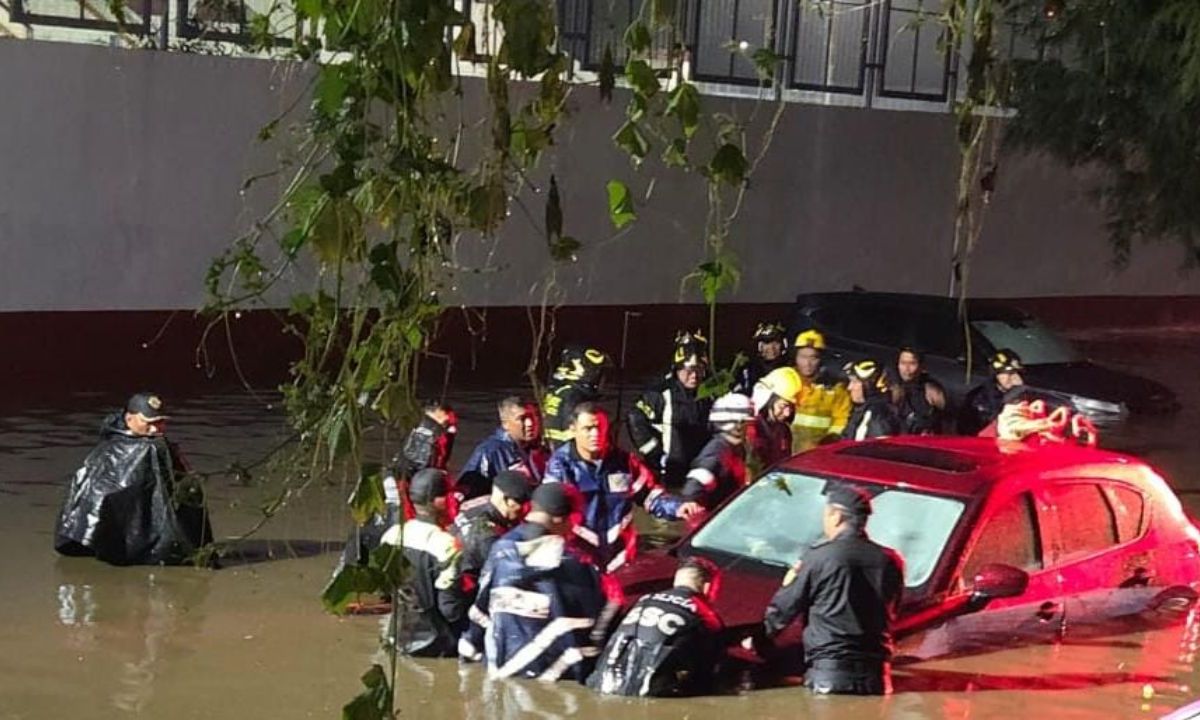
{"x":82,"y":639}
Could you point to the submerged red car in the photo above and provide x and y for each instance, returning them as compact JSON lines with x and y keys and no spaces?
{"x":1004,"y":543}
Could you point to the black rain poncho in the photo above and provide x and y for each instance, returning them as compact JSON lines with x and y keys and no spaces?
{"x":121,"y":507}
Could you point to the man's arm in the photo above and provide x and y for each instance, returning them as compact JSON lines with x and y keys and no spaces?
{"x":646,"y":491}
{"x":790,"y":601}
{"x":647,"y":440}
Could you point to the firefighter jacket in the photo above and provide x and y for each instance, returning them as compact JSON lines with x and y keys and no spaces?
{"x":717,"y":472}
{"x":754,"y":371}
{"x":477,"y":527}
{"x":669,"y":426}
{"x":669,"y":643}
{"x":848,"y":592}
{"x":874,"y":418}
{"x":822,"y":410}
{"x":557,"y":406}
{"x":609,"y":490}
{"x":537,"y":605}
{"x":433,"y":614}
{"x":769,"y":442}
{"x":496,"y":453}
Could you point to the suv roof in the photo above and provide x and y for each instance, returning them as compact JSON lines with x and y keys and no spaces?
{"x":977,"y":308}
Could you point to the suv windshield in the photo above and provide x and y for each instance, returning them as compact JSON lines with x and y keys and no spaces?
{"x":779,"y":516}
{"x":1032,"y":341}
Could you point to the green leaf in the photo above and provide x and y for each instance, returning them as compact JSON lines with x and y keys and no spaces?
{"x":368,"y":498}
{"x":563,"y":249}
{"x":684,"y":105}
{"x":487,"y":205}
{"x":630,"y":139}
{"x":765,"y":62}
{"x":309,"y":8}
{"x":331,"y":90}
{"x":389,"y":562}
{"x":554,"y":213}
{"x":464,"y":42}
{"x":386,"y":273}
{"x":728,"y":165}
{"x":608,"y":74}
{"x":266,"y":132}
{"x":529,"y":31}
{"x":638,"y":38}
{"x":373,"y":703}
{"x":292,"y":241}
{"x":347,"y":585}
{"x":675,"y":154}
{"x":641,"y":78}
{"x":620,"y":204}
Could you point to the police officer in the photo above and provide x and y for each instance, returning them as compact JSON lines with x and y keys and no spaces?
{"x":515,"y":445}
{"x":847,"y":589}
{"x":769,"y":341}
{"x":720,"y":469}
{"x":669,"y":643}
{"x":609,"y":483}
{"x":538,"y":599}
{"x":669,"y":424}
{"x":922,"y":400}
{"x":984,"y":403}
{"x":873,"y":414}
{"x":577,"y":379}
{"x":482,"y":520}
{"x":769,"y":437}
{"x":435,"y":617}
{"x":823,"y":404}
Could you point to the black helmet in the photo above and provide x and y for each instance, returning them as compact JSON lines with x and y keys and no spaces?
{"x":769,"y":332}
{"x":869,"y":372}
{"x":582,"y":365}
{"x":1006,"y":361}
{"x":691,"y":349}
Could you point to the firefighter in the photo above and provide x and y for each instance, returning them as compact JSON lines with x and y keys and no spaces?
{"x":482,"y":520}
{"x":984,"y":403}
{"x":669,"y":643}
{"x":873,"y":414}
{"x":922,"y":400}
{"x":578,"y":378}
{"x":669,"y":424}
{"x":823,"y":404}
{"x":610,"y":482}
{"x":847,"y":590}
{"x":538,"y":600}
{"x":769,"y":437}
{"x":515,"y":445}
{"x":720,"y":469}
{"x":770,"y":340}
{"x":434,"y":618}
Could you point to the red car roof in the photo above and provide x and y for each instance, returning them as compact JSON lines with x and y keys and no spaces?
{"x":962,"y":466}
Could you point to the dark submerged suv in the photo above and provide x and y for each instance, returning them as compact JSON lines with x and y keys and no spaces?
{"x":876,"y":325}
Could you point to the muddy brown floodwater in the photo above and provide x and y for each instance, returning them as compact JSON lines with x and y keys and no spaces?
{"x":79,"y":639}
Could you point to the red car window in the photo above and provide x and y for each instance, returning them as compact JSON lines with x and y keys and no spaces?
{"x":1128,"y":508}
{"x":1085,"y":522}
{"x":1008,"y":536}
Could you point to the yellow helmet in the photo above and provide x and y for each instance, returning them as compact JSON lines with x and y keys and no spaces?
{"x":783,"y":382}
{"x":809,"y":339}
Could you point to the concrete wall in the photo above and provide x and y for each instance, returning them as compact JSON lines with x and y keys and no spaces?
{"x":120,"y":174}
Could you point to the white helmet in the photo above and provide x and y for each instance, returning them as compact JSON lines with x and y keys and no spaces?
{"x":731,"y":408}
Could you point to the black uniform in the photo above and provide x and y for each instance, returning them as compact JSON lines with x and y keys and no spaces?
{"x":433,"y":612}
{"x":477,"y":527}
{"x":756,"y":370}
{"x":428,"y":446}
{"x":557,"y":406}
{"x":717,"y":472}
{"x":669,"y":643}
{"x":874,"y":418}
{"x":982,"y":406}
{"x":669,"y":427}
{"x":848,"y":590}
{"x":917,"y":416}
{"x":769,"y":441}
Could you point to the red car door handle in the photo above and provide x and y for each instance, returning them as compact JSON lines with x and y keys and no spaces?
{"x":1047,"y":610}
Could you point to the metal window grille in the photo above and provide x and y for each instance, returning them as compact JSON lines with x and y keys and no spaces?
{"x":829,"y":44}
{"x":131,"y":17}
{"x":915,"y":59}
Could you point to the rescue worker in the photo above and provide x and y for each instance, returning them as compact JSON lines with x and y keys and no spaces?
{"x":515,"y":445}
{"x":669,"y":423}
{"x":922,"y":400}
{"x":538,"y":599}
{"x":669,"y":643}
{"x":823,"y":404}
{"x":847,"y":590}
{"x":481,"y":521}
{"x":984,"y":403}
{"x":609,"y":482}
{"x":769,"y":341}
{"x":434,"y":616}
{"x":720,"y":469}
{"x":873,"y":414}
{"x":577,"y":379}
{"x":769,"y":437}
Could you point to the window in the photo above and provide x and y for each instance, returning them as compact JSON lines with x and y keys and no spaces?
{"x":1085,"y":522}
{"x":1010,"y":537}
{"x":1127,"y":508}
{"x":1034,"y":342}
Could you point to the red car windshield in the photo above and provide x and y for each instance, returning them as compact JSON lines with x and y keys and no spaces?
{"x":779,"y":516}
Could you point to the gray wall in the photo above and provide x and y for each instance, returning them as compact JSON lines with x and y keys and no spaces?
{"x":120,"y":174}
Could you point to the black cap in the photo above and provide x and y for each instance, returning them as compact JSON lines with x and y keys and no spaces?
{"x":428,"y":485}
{"x":853,"y":500}
{"x":552,"y":499}
{"x":513,"y":484}
{"x":149,"y":405}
